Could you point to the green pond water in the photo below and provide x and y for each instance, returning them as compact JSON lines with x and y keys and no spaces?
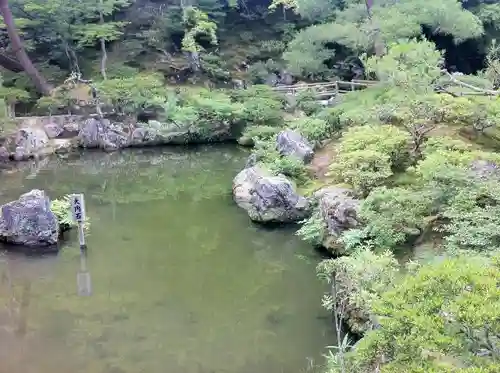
{"x":181,"y":280}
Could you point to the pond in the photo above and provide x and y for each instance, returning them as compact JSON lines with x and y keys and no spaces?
{"x":181,"y":280}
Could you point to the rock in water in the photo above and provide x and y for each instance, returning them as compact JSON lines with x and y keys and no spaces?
{"x":29,"y":221}
{"x":31,"y":142}
{"x":267,"y":198}
{"x":53,"y":130}
{"x":291,"y":143}
{"x":338,"y":210}
{"x":100,"y":133}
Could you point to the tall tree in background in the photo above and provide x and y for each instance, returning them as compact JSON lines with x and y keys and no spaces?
{"x":95,"y":27}
{"x":17,"y":45}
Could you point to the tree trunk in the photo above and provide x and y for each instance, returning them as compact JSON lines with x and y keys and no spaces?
{"x":104,"y":56}
{"x":378,"y":44}
{"x":10,"y":63}
{"x":38,"y":80}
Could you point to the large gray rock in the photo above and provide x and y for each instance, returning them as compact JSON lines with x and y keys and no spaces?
{"x":176,"y":133}
{"x":100,"y":133}
{"x":268,"y":198}
{"x":4,"y":154}
{"x":485,"y":170}
{"x":339,"y":211}
{"x":29,"y":221}
{"x":53,"y":130}
{"x":291,"y":143}
{"x":31,"y":142}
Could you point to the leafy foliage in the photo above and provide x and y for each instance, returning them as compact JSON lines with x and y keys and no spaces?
{"x":367,"y":156}
{"x":442,"y":318}
{"x":359,"y":280}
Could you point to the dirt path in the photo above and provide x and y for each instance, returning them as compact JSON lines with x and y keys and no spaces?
{"x":322,"y":159}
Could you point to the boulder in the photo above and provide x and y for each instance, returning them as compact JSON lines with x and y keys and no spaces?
{"x":31,"y":142}
{"x":268,"y":198}
{"x":286,"y":78}
{"x":272,"y":79}
{"x":100,"y":133}
{"x":485,"y":170}
{"x":292,"y":143}
{"x":174,"y":133}
{"x":252,"y":160}
{"x":338,"y":210}
{"x":53,"y":130}
{"x":29,"y":221}
{"x":64,"y":146}
{"x":71,"y":128}
{"x":4,"y":154}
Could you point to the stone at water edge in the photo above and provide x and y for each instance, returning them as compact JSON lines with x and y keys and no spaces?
{"x":53,"y":130}
{"x":339,"y":212}
{"x":31,"y":142}
{"x":29,"y":221}
{"x":100,"y":133}
{"x":292,"y":143}
{"x":267,"y":198}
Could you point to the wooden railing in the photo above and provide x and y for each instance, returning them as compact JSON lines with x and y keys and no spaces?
{"x":326,"y":89}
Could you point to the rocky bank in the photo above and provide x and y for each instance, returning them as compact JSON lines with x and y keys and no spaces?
{"x":38,"y":137}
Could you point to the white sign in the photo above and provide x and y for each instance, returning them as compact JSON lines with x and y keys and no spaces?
{"x":78,"y":208}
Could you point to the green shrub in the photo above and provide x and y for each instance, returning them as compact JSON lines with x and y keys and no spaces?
{"x":257,"y":73}
{"x":314,"y":129}
{"x":266,"y":153}
{"x":261,"y":105}
{"x":308,"y":102}
{"x":394,"y":215}
{"x":133,"y":94}
{"x":331,"y":116}
{"x":442,"y":317}
{"x":360,"y":281}
{"x":361,"y":169}
{"x":61,"y":207}
{"x":385,"y":139}
{"x":261,"y":133}
{"x":257,"y":91}
{"x":445,"y":143}
{"x":312,"y":230}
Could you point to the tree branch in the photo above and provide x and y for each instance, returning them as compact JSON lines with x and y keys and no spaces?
{"x":487,"y":92}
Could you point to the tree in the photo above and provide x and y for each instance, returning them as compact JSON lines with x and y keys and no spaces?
{"x":38,"y":80}
{"x":102,"y":31}
{"x":357,"y":282}
{"x":442,"y":317}
{"x":358,"y":31}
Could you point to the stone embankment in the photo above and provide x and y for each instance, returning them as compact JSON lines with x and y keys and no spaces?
{"x":37,"y":137}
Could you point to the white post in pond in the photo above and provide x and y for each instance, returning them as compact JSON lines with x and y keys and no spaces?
{"x":83,"y":277}
{"x":78,"y":210}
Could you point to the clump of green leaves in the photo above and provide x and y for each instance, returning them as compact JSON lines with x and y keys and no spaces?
{"x":266,"y":154}
{"x":133,"y":94}
{"x":442,"y":317}
{"x":197,"y":24}
{"x":307,"y":102}
{"x":313,"y":129}
{"x":313,"y":229}
{"x":61,"y":207}
{"x":368,"y":155}
{"x":358,"y":281}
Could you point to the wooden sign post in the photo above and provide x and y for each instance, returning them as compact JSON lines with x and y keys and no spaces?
{"x":83,"y":277}
{"x":78,"y":210}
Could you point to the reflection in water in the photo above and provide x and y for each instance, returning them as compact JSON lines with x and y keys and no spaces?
{"x":181,"y":280}
{"x":83,"y":280}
